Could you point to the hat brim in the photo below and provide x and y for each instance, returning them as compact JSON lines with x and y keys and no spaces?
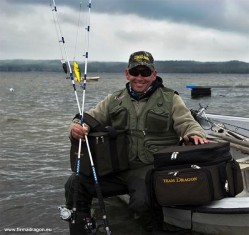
{"x":134,"y":65}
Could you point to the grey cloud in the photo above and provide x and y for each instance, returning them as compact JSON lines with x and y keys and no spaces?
{"x":204,"y":13}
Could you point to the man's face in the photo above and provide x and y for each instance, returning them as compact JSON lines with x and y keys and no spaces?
{"x":140,"y":78}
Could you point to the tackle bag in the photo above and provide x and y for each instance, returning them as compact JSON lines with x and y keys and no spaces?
{"x":108,"y":149}
{"x":194,"y":175}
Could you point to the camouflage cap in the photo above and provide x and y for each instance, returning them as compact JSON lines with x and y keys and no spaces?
{"x":142,"y":58}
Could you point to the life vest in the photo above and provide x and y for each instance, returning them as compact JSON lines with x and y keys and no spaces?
{"x":148,"y":122}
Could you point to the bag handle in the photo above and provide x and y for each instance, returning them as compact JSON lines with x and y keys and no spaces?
{"x":94,"y":125}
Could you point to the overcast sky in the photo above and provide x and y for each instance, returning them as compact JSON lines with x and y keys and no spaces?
{"x":201,"y":30}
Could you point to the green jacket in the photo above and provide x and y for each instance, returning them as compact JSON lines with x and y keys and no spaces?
{"x":151,"y":122}
{"x":148,"y":123}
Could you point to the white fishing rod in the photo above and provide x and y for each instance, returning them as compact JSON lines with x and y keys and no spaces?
{"x":96,"y":183}
{"x":81,"y":112}
{"x":61,"y":40}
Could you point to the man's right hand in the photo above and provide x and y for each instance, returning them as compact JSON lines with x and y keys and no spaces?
{"x":79,"y":132}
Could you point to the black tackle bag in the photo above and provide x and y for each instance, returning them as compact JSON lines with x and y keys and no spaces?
{"x":108,"y":149}
{"x":194,"y":175}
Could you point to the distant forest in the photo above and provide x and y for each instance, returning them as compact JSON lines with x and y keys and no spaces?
{"x":116,"y":67}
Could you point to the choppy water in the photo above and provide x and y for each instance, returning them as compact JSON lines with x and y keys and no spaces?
{"x":34,"y":147}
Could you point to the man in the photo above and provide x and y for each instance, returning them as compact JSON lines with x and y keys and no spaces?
{"x":153,"y":116}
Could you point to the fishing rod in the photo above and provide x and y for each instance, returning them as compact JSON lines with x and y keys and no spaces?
{"x":96,"y":182}
{"x":67,"y":214}
{"x":81,"y":112}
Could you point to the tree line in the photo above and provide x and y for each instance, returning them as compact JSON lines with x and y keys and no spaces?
{"x":116,"y":67}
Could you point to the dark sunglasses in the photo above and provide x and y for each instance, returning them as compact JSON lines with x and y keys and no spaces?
{"x":144,"y":73}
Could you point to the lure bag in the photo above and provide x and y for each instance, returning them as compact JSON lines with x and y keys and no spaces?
{"x":184,"y":178}
{"x":108,"y":149}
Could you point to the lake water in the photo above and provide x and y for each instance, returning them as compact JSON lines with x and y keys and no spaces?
{"x":34,"y":147}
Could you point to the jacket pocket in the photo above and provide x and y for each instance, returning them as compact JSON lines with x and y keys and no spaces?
{"x":156,"y":122}
{"x":119,"y":118}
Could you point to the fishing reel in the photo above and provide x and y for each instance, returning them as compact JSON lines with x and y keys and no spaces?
{"x":68,"y":215}
{"x":201,"y":117}
{"x":65,"y":213}
{"x":90,"y":225}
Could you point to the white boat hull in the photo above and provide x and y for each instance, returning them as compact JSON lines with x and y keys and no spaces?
{"x":233,"y":121}
{"x":223,"y":223}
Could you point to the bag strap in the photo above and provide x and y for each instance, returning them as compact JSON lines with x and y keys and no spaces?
{"x":223,"y":179}
{"x":149,"y":180}
{"x":114,"y":154}
{"x":235,"y":180}
{"x":91,"y":122}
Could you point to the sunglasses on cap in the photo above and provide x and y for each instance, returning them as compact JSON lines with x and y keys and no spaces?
{"x":144,"y":73}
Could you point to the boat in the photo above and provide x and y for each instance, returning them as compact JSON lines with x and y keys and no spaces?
{"x":92,"y":79}
{"x":228,"y":216}
{"x":88,"y":79}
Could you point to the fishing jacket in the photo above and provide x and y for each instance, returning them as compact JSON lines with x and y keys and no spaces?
{"x":148,"y":122}
{"x":151,"y":123}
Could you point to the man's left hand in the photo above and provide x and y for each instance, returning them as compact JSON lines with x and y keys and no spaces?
{"x":195,"y":139}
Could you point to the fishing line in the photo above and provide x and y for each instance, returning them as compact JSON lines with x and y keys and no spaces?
{"x":77,"y":33}
{"x":54,"y":10}
{"x":228,"y":124}
{"x":57,"y":33}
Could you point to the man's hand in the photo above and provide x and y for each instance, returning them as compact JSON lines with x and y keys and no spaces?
{"x":195,"y":139}
{"x":79,"y":132}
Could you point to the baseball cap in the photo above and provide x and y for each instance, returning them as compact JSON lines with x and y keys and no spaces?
{"x":142,"y":58}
